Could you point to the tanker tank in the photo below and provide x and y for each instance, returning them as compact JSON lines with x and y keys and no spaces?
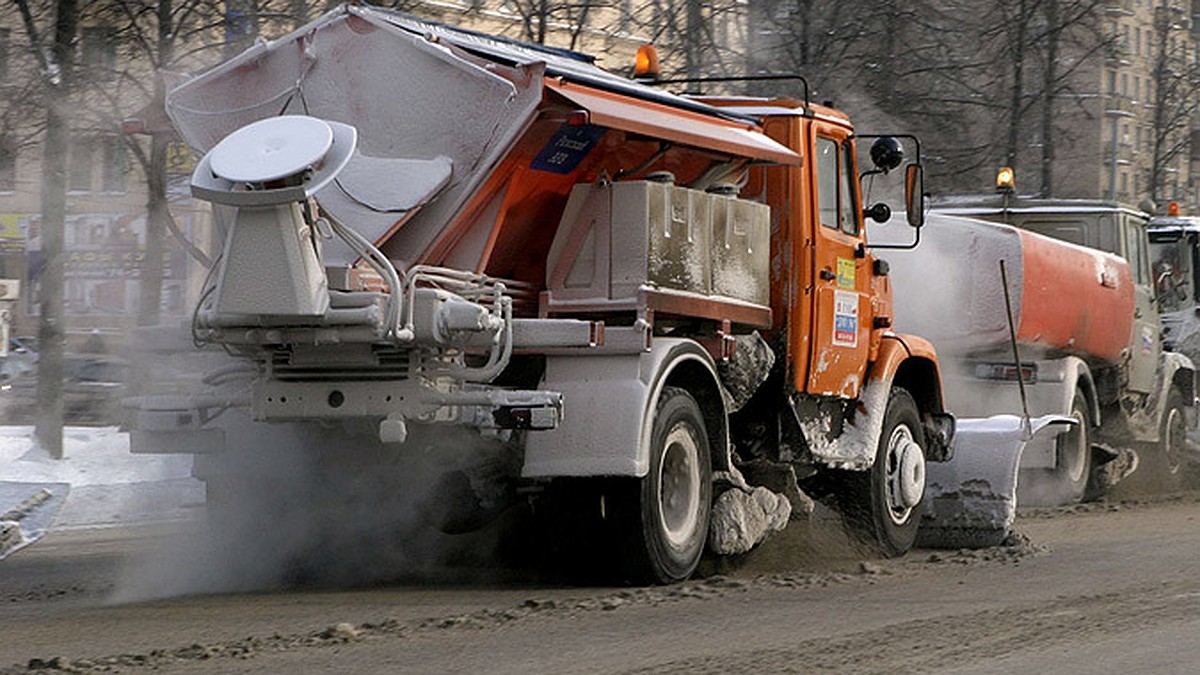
{"x":1066,"y":299}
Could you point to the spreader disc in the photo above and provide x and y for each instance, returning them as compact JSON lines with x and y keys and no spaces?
{"x":271,"y":149}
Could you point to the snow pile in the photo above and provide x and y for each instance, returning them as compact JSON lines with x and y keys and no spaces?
{"x":108,"y":483}
{"x":743,"y":518}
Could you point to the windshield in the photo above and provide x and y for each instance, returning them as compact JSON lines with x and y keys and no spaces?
{"x":1174,"y":278}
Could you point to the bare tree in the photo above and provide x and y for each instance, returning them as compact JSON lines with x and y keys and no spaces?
{"x":57,"y":61}
{"x":154,"y":38}
{"x":1064,"y":26}
{"x":550,"y":21}
{"x":1176,"y":77}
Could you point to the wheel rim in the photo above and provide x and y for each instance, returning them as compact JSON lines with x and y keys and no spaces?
{"x":1072,"y":446}
{"x":679,"y":485}
{"x":1174,"y":439}
{"x":905,"y":478}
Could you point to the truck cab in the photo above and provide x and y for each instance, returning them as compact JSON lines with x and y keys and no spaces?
{"x":1174,"y":264}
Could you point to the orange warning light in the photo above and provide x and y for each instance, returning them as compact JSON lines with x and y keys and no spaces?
{"x":1173,"y":209}
{"x":645,"y":65}
{"x":1005,"y":179}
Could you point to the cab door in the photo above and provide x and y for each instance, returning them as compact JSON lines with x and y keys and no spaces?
{"x":842,"y":306}
{"x":1146,"y":347}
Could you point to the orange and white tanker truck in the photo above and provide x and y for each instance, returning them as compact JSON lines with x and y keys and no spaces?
{"x":1068,"y":328}
{"x":623,"y":302}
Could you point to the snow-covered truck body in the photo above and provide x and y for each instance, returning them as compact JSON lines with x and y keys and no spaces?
{"x":628,"y":291}
{"x":1086,"y":331}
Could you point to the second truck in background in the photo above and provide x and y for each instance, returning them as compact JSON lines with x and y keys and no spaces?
{"x":1089,"y":339}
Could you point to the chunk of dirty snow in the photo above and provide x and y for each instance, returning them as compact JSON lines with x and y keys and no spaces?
{"x":743,"y":518}
{"x":11,"y":537}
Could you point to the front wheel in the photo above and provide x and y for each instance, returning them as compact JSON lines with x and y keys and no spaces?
{"x":885,"y":507}
{"x":1173,"y":440}
{"x":669,"y":519}
{"x":1160,"y":465}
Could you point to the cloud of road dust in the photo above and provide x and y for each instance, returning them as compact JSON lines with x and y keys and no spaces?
{"x":303,"y":504}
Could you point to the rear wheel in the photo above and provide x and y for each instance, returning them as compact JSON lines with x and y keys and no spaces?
{"x":885,"y":506}
{"x":1068,"y":481}
{"x":666,"y":518}
{"x":1073,"y":453}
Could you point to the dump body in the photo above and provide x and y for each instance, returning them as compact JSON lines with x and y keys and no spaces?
{"x":464,"y":157}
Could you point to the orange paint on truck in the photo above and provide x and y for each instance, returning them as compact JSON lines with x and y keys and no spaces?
{"x":1074,"y":299}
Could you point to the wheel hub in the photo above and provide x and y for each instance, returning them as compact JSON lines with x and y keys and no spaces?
{"x":680,"y":491}
{"x":909,"y":477}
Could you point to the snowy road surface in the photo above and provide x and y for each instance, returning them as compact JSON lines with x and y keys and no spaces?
{"x":1107,"y":588}
{"x":108,"y":484}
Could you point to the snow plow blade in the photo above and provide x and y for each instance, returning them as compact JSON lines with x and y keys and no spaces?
{"x":29,"y":508}
{"x":971,"y":501}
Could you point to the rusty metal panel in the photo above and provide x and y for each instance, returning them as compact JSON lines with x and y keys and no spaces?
{"x":741,"y":249}
{"x":678,"y":227}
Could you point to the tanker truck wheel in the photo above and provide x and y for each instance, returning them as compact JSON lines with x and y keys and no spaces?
{"x":1067,"y":482}
{"x":1161,"y":465}
{"x":1173,"y":440}
{"x":885,"y":506}
{"x":665,"y":519}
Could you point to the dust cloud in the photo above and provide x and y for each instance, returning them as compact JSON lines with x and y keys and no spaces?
{"x":312,"y":505}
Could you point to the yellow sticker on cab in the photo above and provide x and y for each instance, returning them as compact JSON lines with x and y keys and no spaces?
{"x":845,"y":273}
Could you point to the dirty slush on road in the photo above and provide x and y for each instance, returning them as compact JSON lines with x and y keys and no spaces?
{"x":797,"y":559}
{"x":802,"y":559}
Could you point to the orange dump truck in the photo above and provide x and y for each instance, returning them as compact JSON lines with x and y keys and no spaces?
{"x":632,"y":310}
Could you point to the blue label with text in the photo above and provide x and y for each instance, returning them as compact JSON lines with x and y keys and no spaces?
{"x":567,"y":148}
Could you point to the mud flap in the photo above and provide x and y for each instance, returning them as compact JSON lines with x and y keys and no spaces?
{"x":29,"y":508}
{"x":971,"y":501}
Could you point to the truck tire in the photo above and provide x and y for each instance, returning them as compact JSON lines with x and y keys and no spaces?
{"x":1160,"y":466}
{"x":1073,"y":454}
{"x":1070,"y":481}
{"x":885,"y":505}
{"x":1173,"y":441}
{"x":667,"y":516}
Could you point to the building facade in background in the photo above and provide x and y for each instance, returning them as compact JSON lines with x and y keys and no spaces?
{"x":1124,"y":122}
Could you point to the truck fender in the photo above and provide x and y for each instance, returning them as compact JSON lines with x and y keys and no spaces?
{"x":911,"y":362}
{"x":904,"y":361}
{"x":1073,"y":373}
{"x":608,"y":404}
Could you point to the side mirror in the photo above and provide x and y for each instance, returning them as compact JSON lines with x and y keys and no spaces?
{"x":914,"y":194}
{"x":879,"y":213}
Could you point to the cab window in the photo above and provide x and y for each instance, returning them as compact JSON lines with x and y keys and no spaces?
{"x":1135,"y":253}
{"x":827,"y":182}
{"x":851,"y":215}
{"x":1073,"y":231}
